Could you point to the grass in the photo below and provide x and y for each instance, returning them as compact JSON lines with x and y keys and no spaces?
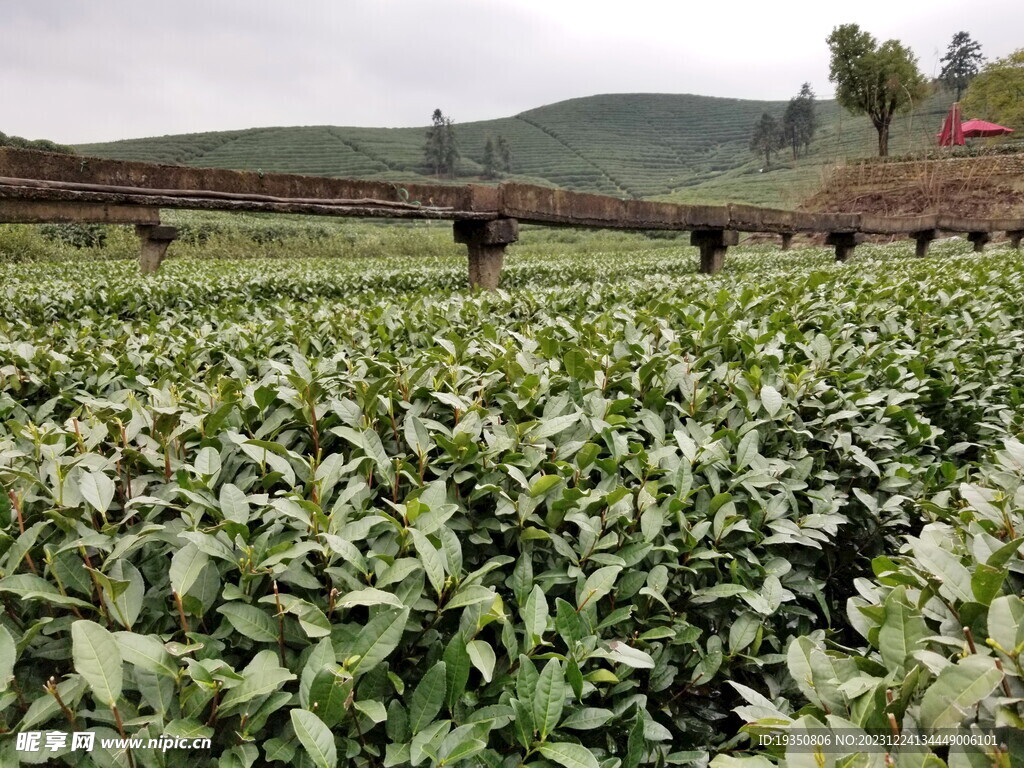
{"x":665,"y":146}
{"x":218,"y":236}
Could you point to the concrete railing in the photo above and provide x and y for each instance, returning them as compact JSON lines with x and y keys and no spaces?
{"x":40,"y":187}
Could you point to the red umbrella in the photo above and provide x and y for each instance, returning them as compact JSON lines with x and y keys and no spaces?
{"x":951,"y":133}
{"x":980,"y":128}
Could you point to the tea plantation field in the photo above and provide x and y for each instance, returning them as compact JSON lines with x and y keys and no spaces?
{"x":679,"y":147}
{"x":341,"y":512}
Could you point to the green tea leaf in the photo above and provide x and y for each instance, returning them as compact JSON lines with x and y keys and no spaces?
{"x":598,"y":584}
{"x":549,"y":698}
{"x":373,"y":710}
{"x":902,"y":632}
{"x":369,"y":596}
{"x":433,"y":564}
{"x":427,"y":697}
{"x":631,"y":657}
{"x":98,"y":660}
{"x":457,"y":665}
{"x":8,"y":656}
{"x":1006,"y":623}
{"x":959,"y":687}
{"x":551,"y":427}
{"x":146,"y":652}
{"x":542,"y":485}
{"x":470,"y":596}
{"x":261,"y":676}
{"x":535,"y":615}
{"x":328,"y":695}
{"x":234,"y":504}
{"x":587,"y":718}
{"x":481,"y":654}
{"x":771,"y":400}
{"x":186,"y":565}
{"x":97,"y":489}
{"x":207,"y":462}
{"x":315,"y":737}
{"x":378,"y":639}
{"x":568,"y":755}
{"x":250,"y":622}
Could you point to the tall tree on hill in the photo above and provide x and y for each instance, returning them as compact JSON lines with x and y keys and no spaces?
{"x":767,"y":137}
{"x":799,"y":121}
{"x":504,"y":154}
{"x":434,"y":149}
{"x":997,"y":93}
{"x":961,"y":63}
{"x":490,"y":161}
{"x":451,"y":149}
{"x":441,"y":151}
{"x":872,"y":79}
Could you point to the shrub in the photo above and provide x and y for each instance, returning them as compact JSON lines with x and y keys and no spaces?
{"x":76,"y":235}
{"x":944,"y":623}
{"x":336,"y":512}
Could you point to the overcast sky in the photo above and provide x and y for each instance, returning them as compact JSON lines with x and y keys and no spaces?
{"x":96,"y":70}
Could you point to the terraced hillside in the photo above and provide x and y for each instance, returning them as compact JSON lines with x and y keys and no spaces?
{"x":669,"y":146}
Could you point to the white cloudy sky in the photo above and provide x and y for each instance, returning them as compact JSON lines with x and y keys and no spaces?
{"x":93,"y":70}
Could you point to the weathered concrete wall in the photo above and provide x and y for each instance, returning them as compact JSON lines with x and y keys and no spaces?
{"x":26,"y":164}
{"x":49,"y":212}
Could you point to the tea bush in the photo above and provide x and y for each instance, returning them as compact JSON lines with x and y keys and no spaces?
{"x":342,"y":512}
{"x":76,"y":235}
{"x":944,"y":623}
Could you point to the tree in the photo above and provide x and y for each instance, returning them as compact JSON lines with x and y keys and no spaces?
{"x":434,"y":150}
{"x":872,"y":79}
{"x":767,"y":137}
{"x":44,"y":145}
{"x":799,"y":121}
{"x":961,"y":63}
{"x":505,"y":154}
{"x":490,"y":161}
{"x":997,"y":93}
{"x":497,"y":157}
{"x":441,"y":151}
{"x":451,"y":149}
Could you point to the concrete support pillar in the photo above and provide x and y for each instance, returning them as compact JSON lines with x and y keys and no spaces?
{"x":713,"y":244}
{"x":486,"y":241}
{"x":924,"y":240}
{"x":980,"y":240}
{"x":1015,"y":238}
{"x":787,"y":240}
{"x":844,"y":243}
{"x":155,"y":239}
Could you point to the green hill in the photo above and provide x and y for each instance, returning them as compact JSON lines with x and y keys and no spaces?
{"x":664,"y":146}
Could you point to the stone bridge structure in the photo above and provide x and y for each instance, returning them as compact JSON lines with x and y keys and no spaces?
{"x":40,"y":187}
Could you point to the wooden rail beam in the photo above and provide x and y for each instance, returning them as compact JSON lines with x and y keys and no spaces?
{"x":960,"y":224}
{"x":14,"y":211}
{"x":897,"y":225}
{"x":145,"y":197}
{"x":74,"y":169}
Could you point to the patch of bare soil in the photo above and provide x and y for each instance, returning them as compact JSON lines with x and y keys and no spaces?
{"x":974,"y":195}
